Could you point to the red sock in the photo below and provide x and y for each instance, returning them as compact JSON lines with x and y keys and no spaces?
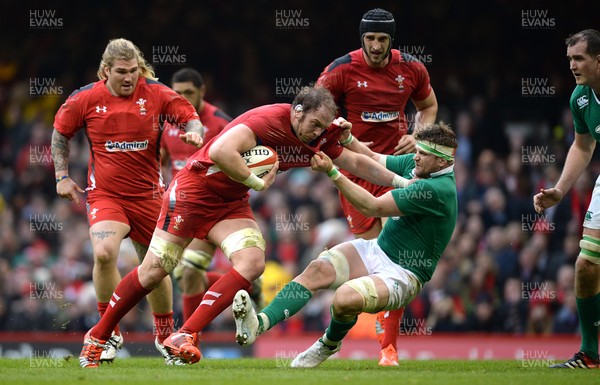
{"x":127,"y":294}
{"x":212,"y":277}
{"x":102,"y":309}
{"x":392,"y":325}
{"x":163,"y":325}
{"x":191,"y":302}
{"x":217,"y":298}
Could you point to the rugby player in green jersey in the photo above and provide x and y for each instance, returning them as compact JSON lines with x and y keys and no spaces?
{"x":583,"y":53}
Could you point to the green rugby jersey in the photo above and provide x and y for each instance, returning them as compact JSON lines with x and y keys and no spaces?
{"x":585,"y":108}
{"x":417,"y":239}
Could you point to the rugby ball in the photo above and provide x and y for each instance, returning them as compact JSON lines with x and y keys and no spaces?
{"x":260,"y":160}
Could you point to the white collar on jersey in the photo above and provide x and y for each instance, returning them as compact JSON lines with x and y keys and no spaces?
{"x":443,"y":171}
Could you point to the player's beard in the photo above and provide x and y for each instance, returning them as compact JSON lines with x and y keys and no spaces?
{"x":379,"y":60}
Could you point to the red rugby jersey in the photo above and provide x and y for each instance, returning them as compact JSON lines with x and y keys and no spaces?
{"x":375,"y":98}
{"x":123,"y":133}
{"x":213,"y":120}
{"x":272,"y":126}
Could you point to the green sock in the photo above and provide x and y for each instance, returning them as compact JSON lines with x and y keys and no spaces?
{"x":286,"y":303}
{"x":337,"y":330}
{"x":588,"y":310}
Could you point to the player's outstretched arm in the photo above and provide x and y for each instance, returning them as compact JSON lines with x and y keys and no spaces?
{"x":578,"y":158}
{"x":367,"y":204}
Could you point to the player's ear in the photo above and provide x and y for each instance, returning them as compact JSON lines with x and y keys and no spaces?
{"x":106,"y":71}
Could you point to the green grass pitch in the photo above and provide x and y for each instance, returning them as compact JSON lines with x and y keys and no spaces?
{"x":275,"y":371}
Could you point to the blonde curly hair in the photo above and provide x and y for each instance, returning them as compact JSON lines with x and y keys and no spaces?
{"x":125,"y":50}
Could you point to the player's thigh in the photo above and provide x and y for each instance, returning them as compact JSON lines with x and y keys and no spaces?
{"x":356,"y":267}
{"x":106,"y":237}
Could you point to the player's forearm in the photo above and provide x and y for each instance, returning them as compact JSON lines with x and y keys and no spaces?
{"x":577,"y":160}
{"x":366,"y":168}
{"x":425,"y":116}
{"x":360,"y":198}
{"x":195,"y":126}
{"x":60,"y":154}
{"x":229,"y":161}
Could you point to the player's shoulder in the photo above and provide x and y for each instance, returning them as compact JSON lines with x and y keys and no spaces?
{"x":151,"y":83}
{"x":343,"y":61}
{"x":580,"y":97}
{"x":85,"y":89}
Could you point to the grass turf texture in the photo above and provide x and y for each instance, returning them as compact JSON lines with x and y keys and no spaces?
{"x":276,"y":371}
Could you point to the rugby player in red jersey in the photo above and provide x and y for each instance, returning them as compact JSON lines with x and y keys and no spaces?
{"x":209,"y":199}
{"x":373,"y":85}
{"x":121,"y":114}
{"x":191,"y":274}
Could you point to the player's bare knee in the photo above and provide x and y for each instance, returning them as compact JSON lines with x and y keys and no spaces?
{"x":347,"y":301}
{"x":150,"y":275}
{"x":251,"y":265}
{"x":321,"y":272}
{"x":105,"y":256}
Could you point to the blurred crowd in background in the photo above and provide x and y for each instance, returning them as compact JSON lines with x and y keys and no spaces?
{"x":507,"y":269}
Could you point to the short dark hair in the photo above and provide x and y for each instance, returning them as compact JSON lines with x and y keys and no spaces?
{"x":188,"y":75}
{"x":312,"y":98}
{"x":591,"y":36}
{"x":438,"y":133}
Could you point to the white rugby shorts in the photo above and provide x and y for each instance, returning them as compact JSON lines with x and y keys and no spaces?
{"x":403,"y":286}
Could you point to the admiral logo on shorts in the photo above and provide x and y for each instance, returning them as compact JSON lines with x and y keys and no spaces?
{"x":126,"y":146}
{"x":380,"y":116}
